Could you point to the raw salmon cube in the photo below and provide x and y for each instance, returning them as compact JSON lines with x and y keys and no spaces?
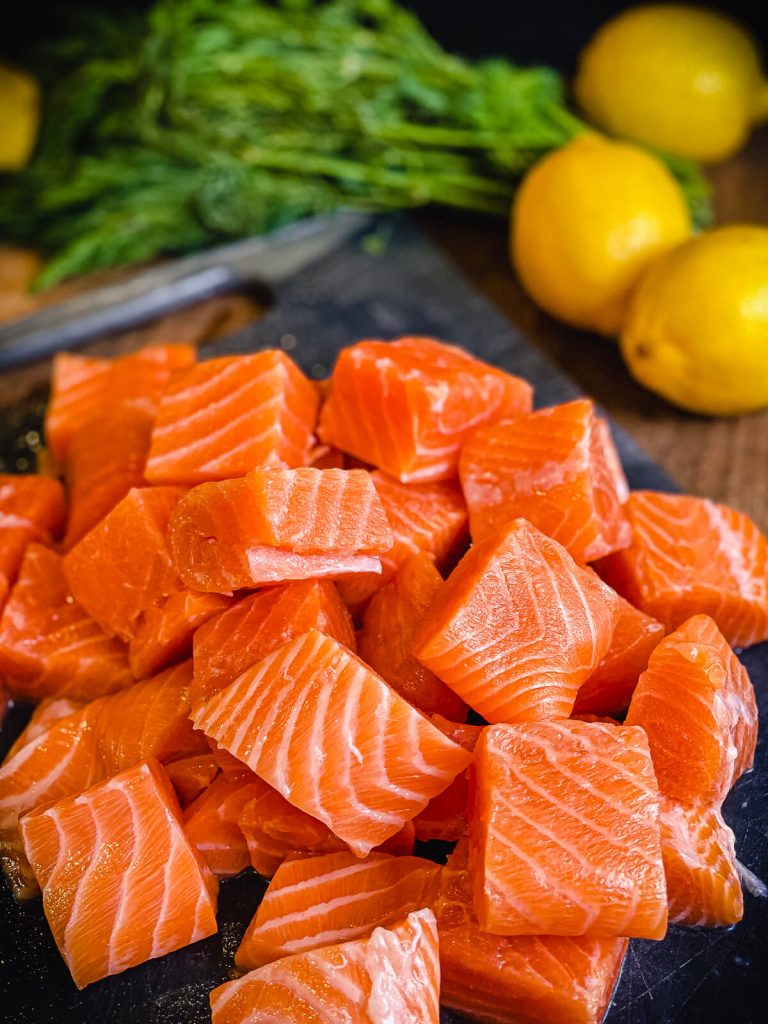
{"x":446,"y":816}
{"x":276,"y":525}
{"x":550,"y":467}
{"x":609,"y":689}
{"x":336,"y":894}
{"x":49,"y":646}
{"x":428,"y":517}
{"x":32,"y":508}
{"x":78,"y":388}
{"x":123,"y":567}
{"x":149,"y":719}
{"x":84,"y":389}
{"x":229,"y":765}
{"x":221,"y":418}
{"x":690,"y":556}
{"x":697,"y":847}
{"x":260,"y":623}
{"x":406,"y":406}
{"x":517,"y":627}
{"x":45,"y":714}
{"x":210,"y":823}
{"x":191,"y":775}
{"x":61,"y":760}
{"x":506,"y":979}
{"x":164,"y":634}
{"x":336,"y":741}
{"x":391,"y":975}
{"x":121,"y":882}
{"x":101,"y":466}
{"x":389,"y":628}
{"x":276,"y":831}
{"x":697,"y":705}
{"x":564,"y":838}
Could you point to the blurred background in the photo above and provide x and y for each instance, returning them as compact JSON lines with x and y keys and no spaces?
{"x":695,"y":405}
{"x":549,"y":32}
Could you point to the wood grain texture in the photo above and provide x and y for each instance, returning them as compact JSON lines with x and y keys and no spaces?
{"x":723,"y":459}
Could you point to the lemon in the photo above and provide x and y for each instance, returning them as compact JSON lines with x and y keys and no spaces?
{"x":697,"y":328}
{"x":587,"y":220}
{"x":19,"y":117}
{"x":678,"y":78}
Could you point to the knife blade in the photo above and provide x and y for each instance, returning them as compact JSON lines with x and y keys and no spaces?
{"x":268,"y":259}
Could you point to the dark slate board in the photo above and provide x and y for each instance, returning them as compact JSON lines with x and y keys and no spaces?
{"x":364,"y":290}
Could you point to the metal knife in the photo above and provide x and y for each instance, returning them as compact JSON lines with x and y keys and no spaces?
{"x":268,"y":259}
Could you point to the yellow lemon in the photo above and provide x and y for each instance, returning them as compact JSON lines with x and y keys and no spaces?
{"x":697,"y":328}
{"x":587,"y":220}
{"x":678,"y":78}
{"x":19,"y":117}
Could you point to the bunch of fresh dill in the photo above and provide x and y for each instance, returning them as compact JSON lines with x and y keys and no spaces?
{"x":205,"y":120}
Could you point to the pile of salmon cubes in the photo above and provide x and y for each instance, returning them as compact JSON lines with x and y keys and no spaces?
{"x":303,"y":629}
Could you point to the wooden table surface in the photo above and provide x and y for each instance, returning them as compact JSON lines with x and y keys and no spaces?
{"x":723,"y":459}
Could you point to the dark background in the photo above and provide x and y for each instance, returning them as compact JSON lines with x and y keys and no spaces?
{"x":527,"y":31}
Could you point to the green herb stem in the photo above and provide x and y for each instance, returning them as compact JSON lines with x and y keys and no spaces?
{"x":198,"y":121}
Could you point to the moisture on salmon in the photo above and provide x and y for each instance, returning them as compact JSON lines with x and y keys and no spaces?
{"x":51,"y":647}
{"x":275,"y":525}
{"x":44,"y":715}
{"x":517,"y":627}
{"x":220,"y":418}
{"x":556,"y":468}
{"x":121,"y":882}
{"x":123,"y":567}
{"x":390,"y":624}
{"x":564,"y":838}
{"x":334,"y":739}
{"x":407,"y":406}
{"x":698,"y":850}
{"x":191,"y":775}
{"x":334,"y":898}
{"x":697,"y":706}
{"x":391,"y":975}
{"x":261,"y":622}
{"x":506,"y":979}
{"x":182,"y":612}
{"x":689,"y":556}
{"x":32,"y":508}
{"x":429,"y":518}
